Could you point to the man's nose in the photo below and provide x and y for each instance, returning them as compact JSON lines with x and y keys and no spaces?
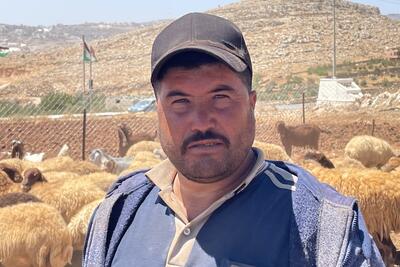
{"x":203,"y":119}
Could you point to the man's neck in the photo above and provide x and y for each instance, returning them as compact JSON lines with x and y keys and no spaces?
{"x":197,"y":197}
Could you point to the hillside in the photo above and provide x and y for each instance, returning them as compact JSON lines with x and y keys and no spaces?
{"x":31,"y":38}
{"x":283,"y":37}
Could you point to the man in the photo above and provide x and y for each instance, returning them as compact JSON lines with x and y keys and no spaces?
{"x":216,"y":201}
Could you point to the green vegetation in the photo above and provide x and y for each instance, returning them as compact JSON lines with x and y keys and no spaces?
{"x":291,"y":91}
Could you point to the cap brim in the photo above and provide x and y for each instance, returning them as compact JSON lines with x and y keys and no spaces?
{"x":225,"y":56}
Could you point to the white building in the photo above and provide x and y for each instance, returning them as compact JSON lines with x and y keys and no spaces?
{"x":334,"y":91}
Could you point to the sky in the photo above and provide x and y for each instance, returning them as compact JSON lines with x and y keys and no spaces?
{"x":50,"y":12}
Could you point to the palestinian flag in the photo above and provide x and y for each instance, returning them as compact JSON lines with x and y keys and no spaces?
{"x":4,"y":51}
{"x":88,"y":53}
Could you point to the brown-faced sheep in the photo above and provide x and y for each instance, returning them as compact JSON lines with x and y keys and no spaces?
{"x":12,"y":172}
{"x":320,"y":158}
{"x":18,"y":164}
{"x":33,"y":234}
{"x":126,"y":138}
{"x":369,"y":150}
{"x":379,"y":196}
{"x":32,"y":176}
{"x":67,"y":196}
{"x":10,"y":199}
{"x":271,"y":151}
{"x":304,"y":135}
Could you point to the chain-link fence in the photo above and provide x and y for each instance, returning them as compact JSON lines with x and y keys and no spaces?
{"x":46,"y":123}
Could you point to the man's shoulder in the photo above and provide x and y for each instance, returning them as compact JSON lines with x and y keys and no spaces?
{"x":129,"y":183}
{"x":307,"y":184}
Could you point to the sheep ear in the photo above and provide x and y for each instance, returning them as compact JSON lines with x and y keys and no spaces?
{"x":122,"y":137}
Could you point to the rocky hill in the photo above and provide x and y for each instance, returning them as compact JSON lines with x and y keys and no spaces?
{"x":283,"y":36}
{"x":31,"y":38}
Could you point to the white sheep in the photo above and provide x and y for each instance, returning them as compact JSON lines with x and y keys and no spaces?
{"x":109,"y":163}
{"x":64,"y":151}
{"x":33,"y":234}
{"x":369,"y":150}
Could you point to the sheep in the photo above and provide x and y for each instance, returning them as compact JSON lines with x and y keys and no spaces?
{"x":17,"y":149}
{"x":143,"y":160}
{"x":109,"y":163}
{"x":378,"y":194}
{"x":32,"y":176}
{"x":34,"y":157}
{"x":305,"y":135}
{"x":15,"y":198}
{"x":64,"y":151}
{"x":79,"y":224}
{"x":127,"y":139}
{"x":7,"y":185}
{"x":12,"y":172}
{"x":33,"y":234}
{"x":67,"y":196}
{"x":320,"y":158}
{"x":102,"y":180}
{"x":370,"y":151}
{"x":392,"y":164}
{"x":143,"y":146}
{"x":271,"y":151}
{"x":347,"y":162}
{"x":18,"y":164}
{"x":69,"y":165}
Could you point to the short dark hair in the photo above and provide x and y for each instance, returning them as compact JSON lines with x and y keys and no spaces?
{"x":193,"y":60}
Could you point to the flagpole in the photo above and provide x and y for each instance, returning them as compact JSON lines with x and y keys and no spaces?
{"x":84,"y":102}
{"x":90,"y":81}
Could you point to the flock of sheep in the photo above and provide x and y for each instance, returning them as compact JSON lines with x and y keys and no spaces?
{"x":45,"y":206}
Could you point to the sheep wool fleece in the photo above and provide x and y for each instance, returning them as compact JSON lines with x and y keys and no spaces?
{"x":326,"y":228}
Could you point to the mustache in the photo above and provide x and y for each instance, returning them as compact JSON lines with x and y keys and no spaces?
{"x":200,"y":136}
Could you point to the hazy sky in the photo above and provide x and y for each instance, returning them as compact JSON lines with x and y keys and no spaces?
{"x":49,"y":12}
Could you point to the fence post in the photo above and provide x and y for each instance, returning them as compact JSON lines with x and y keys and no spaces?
{"x":373,"y":127}
{"x":84,"y":134}
{"x":304,"y":111}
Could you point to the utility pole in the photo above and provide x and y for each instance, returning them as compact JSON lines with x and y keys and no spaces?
{"x":334,"y":41}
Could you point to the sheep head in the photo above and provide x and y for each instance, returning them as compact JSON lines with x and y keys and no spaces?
{"x":11,"y":172}
{"x":280,"y":126}
{"x":320,"y":158}
{"x":31,"y":176}
{"x":17,"y":149}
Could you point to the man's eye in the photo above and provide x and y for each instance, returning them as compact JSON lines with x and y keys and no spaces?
{"x":220,"y":96}
{"x":180,"y":101}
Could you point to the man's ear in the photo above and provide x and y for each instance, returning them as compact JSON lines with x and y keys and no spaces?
{"x":253,"y":99}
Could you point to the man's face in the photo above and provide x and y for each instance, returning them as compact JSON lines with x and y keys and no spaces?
{"x":206,"y":121}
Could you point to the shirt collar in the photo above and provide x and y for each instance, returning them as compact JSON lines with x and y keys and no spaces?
{"x":163,"y":174}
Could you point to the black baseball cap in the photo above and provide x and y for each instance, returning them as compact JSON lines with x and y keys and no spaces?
{"x":213,"y":35}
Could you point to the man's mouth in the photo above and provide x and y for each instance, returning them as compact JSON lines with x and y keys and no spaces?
{"x":205,"y":143}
